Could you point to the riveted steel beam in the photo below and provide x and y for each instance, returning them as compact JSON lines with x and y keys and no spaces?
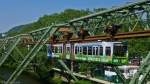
{"x":121,"y":76}
{"x":8,"y":51}
{"x":69,"y":71}
{"x":33,"y":52}
{"x":111,"y":10}
{"x":141,"y":70}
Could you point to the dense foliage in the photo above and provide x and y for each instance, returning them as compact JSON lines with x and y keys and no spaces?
{"x":136,"y":47}
{"x":47,"y":20}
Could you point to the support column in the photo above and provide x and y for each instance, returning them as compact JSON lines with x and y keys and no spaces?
{"x":143,"y":67}
{"x":69,"y":71}
{"x":11,"y":47}
{"x":121,"y":76}
{"x":33,"y":52}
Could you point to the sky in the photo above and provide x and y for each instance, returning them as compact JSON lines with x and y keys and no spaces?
{"x":19,"y":12}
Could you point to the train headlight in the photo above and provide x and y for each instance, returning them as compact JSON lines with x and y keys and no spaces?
{"x":99,"y":40}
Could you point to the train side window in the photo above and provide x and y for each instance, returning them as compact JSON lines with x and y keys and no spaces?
{"x":89,"y":50}
{"x":93,"y":50}
{"x":85,"y":50}
{"x":100,"y":50}
{"x":68,"y":49}
{"x":76,"y":49}
{"x":96,"y":50}
{"x":61,"y":49}
{"x":53,"y":49}
{"x":108,"y":51}
{"x":56,"y":49}
{"x":80,"y":50}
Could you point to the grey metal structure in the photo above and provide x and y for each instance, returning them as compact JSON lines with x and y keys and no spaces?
{"x":28,"y":58}
{"x":139,"y":12}
{"x":12,"y":43}
{"x":69,"y":71}
{"x":144,"y":70}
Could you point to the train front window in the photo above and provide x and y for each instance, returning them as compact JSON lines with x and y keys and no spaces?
{"x":120,"y":49}
{"x":108,"y":51}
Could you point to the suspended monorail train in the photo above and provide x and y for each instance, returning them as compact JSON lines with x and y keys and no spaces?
{"x":115,"y":53}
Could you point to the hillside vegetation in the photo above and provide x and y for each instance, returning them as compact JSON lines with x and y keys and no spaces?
{"x":138,"y":47}
{"x":47,"y":20}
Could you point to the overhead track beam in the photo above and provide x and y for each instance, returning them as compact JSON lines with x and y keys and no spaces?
{"x":111,"y":10}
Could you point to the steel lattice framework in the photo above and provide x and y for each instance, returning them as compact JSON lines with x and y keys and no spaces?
{"x":134,"y":17}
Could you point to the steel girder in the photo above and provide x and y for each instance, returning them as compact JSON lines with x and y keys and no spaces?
{"x":32,"y":53}
{"x":9,"y":47}
{"x":142,"y":72}
{"x":116,"y":69}
{"x":69,"y":71}
{"x":132,"y":17}
{"x":3,"y":42}
{"x":36,"y":35}
{"x":9,"y":50}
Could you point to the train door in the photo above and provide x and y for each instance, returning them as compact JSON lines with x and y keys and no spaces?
{"x":68,"y":51}
{"x":100,"y":50}
{"x":94,"y":50}
{"x":78,"y":49}
{"x":68,"y":48}
{"x":85,"y":50}
{"x":89,"y":48}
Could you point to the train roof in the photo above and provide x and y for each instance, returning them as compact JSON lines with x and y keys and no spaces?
{"x":97,"y":43}
{"x":89,"y":43}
